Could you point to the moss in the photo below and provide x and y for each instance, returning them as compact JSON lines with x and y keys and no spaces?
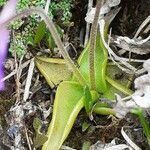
{"x":23,"y":30}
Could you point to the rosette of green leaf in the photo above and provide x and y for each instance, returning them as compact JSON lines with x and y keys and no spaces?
{"x":62,"y":9}
{"x":76,"y":93}
{"x":72,"y":95}
{"x":66,"y":96}
{"x":2,"y":2}
{"x":24,"y":29}
{"x":63,"y":119}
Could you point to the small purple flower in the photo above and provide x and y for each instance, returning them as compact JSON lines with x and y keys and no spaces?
{"x":7,"y":12}
{"x":4,"y":38}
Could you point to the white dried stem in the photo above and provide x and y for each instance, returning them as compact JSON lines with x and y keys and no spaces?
{"x":28,"y":80}
{"x":15,"y":71}
{"x":18,"y":75}
{"x":145,"y":22}
{"x":129,"y":141}
{"x":47,"y":6}
{"x":129,"y":68}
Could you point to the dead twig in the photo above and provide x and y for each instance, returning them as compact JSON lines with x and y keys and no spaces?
{"x":28,"y":80}
{"x":145,"y":22}
{"x":27,"y":137}
{"x":15,"y":70}
{"x":129,"y":141}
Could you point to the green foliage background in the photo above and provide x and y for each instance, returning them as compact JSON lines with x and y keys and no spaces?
{"x":23,"y":30}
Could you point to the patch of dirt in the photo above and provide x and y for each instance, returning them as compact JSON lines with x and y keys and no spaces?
{"x":104,"y":129}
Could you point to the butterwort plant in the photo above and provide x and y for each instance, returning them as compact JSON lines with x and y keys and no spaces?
{"x":7,"y":12}
{"x":87,"y":84}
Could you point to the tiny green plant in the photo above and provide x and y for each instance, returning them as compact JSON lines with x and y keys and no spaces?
{"x":144,"y":122}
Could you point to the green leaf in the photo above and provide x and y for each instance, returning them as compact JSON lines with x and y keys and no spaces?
{"x":40,"y":138}
{"x":49,"y":39}
{"x":100,"y":65}
{"x":37,"y":123}
{"x":86,"y":145}
{"x":88,"y":102}
{"x":116,"y":87}
{"x":144,"y":122}
{"x":68,"y":103}
{"x":40,"y":32}
{"x":103,"y":109}
{"x":106,"y":89}
{"x":54,"y":70}
{"x":85,"y":126}
{"x":106,"y":86}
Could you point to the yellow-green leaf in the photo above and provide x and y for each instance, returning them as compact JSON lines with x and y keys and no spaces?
{"x":100,"y":65}
{"x":68,"y":103}
{"x":54,"y":70}
{"x":40,"y":138}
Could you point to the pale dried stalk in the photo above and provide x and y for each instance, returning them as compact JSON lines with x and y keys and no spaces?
{"x":28,"y":80}
{"x":129,"y":141}
{"x":145,"y":22}
{"x":128,"y":68}
{"x":15,"y":71}
{"x":47,"y":6}
{"x":18,"y":75}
